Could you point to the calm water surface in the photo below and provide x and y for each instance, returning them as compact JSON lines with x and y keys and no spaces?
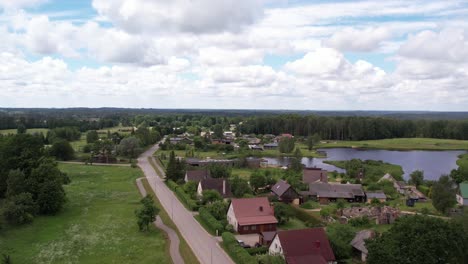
{"x":433,"y":163}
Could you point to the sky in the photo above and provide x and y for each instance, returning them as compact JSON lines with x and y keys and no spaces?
{"x":235,"y":54}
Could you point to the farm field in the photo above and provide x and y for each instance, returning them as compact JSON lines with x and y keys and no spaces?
{"x":97,"y":223}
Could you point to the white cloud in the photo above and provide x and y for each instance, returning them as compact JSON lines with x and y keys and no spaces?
{"x":14,"y":4}
{"x":446,"y":45}
{"x":350,"y":39}
{"x":180,"y":15}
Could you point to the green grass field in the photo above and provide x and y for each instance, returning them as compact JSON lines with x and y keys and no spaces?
{"x":97,"y":225}
{"x":30,"y":131}
{"x":401,"y":144}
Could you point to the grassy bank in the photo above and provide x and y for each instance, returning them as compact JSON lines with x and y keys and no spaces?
{"x":97,"y":225}
{"x":401,"y":144}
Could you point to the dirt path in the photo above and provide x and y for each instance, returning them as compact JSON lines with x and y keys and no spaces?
{"x":204,"y":246}
{"x":173,"y":238}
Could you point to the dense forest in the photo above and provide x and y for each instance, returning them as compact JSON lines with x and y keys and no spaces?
{"x":354,"y":126}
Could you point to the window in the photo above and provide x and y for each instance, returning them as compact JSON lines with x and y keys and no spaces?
{"x":246,"y":228}
{"x":254,"y":227}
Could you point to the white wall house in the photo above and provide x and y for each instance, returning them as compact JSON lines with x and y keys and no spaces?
{"x":231,"y":217}
{"x":275,"y":247}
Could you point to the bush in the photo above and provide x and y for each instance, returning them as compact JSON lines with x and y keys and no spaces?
{"x":229,"y":228}
{"x":257,"y":250}
{"x":360,"y":221}
{"x":20,"y":209}
{"x":210,"y":221}
{"x":185,"y":198}
{"x":310,"y":205}
{"x":237,"y":253}
{"x":172,"y":185}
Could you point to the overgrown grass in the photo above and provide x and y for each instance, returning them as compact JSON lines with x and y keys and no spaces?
{"x":97,"y":225}
{"x":185,"y":250}
{"x":292,"y":224}
{"x":401,"y":144}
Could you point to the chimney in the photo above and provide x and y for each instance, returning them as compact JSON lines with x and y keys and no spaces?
{"x":260,"y":208}
{"x":317,"y":244}
{"x":224,"y":187}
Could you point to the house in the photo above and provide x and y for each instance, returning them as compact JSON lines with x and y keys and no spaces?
{"x":398,"y":185}
{"x":285,"y":192}
{"x":330,"y":192}
{"x":462,"y":195}
{"x":267,"y":237}
{"x":180,"y":140}
{"x":379,"y":195}
{"x":381,"y":215}
{"x":194,"y":162}
{"x":270,"y":146}
{"x":311,"y":175}
{"x":196,"y":175}
{"x":359,"y":242}
{"x":220,"y":185}
{"x":303,"y":246}
{"x":253,"y":141}
{"x":251,"y":215}
{"x":255,"y":147}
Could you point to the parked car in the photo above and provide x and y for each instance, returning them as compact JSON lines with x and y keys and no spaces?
{"x":242,"y":244}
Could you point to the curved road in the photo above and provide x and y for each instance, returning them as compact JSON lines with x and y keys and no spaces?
{"x":205,"y":246}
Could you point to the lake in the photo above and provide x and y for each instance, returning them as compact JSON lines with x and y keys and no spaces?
{"x":433,"y":163}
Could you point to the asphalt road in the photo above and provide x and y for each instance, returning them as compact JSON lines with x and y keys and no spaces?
{"x":205,"y":246}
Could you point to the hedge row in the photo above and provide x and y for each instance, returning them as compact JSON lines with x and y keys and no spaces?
{"x":183,"y":196}
{"x":308,"y":219}
{"x":257,"y":250}
{"x":237,"y":253}
{"x":212,"y":223}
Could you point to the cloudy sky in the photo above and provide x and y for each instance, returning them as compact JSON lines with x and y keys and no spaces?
{"x":235,"y":54}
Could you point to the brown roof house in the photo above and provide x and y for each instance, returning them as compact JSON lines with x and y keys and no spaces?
{"x":311,"y":175}
{"x":359,"y":242}
{"x":252,"y":215}
{"x":303,"y":246}
{"x":220,"y":185}
{"x":330,"y":192}
{"x":196,"y":175}
{"x":285,"y":192}
{"x":379,"y":195}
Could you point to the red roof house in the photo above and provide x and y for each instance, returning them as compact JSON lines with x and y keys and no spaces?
{"x":251,"y":215}
{"x":303,"y":246}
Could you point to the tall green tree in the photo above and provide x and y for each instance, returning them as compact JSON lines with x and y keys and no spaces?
{"x":62,"y":150}
{"x":443,"y":194}
{"x":417,"y":178}
{"x":286,"y":145}
{"x":92,"y":136}
{"x":147,"y":213}
{"x":20,"y":209}
{"x":258,"y":180}
{"x":283,"y":213}
{"x":239,"y":186}
{"x":419,"y":239}
{"x":296,"y":161}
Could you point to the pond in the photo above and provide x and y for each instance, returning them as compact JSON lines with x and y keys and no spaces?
{"x":433,"y":163}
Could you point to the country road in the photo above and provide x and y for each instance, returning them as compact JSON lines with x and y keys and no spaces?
{"x":205,"y":246}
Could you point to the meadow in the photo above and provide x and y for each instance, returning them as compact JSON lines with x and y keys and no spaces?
{"x":400,"y":144}
{"x":97,"y":225}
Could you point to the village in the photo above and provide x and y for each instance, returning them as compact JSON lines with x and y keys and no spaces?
{"x":293,"y":212}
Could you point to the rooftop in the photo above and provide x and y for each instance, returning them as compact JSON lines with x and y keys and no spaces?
{"x":253,"y":211}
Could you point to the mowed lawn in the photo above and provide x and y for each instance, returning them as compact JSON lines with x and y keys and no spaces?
{"x":402,"y":144}
{"x":97,"y":225}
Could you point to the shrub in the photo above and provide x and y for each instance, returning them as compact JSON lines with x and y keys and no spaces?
{"x":20,"y":209}
{"x":185,"y":198}
{"x":172,"y":185}
{"x":210,"y":221}
{"x":257,"y":250}
{"x":229,"y":228}
{"x":305,"y":217}
{"x":360,"y":221}
{"x":237,"y":253}
{"x":310,"y":205}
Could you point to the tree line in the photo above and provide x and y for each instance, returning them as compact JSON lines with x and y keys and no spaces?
{"x":355,"y":128}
